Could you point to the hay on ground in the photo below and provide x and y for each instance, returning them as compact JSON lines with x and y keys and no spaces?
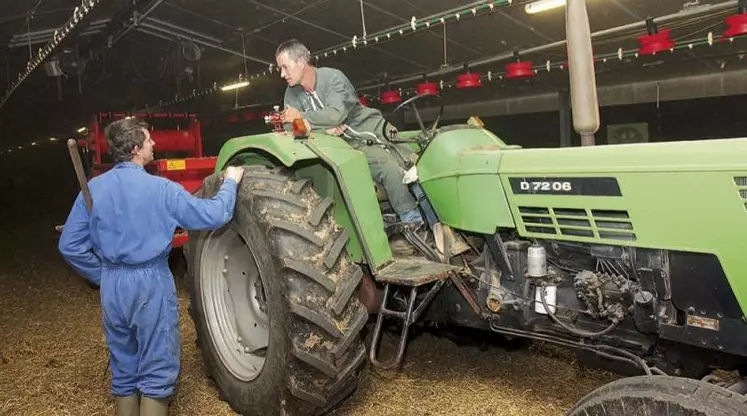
{"x":53,"y":358}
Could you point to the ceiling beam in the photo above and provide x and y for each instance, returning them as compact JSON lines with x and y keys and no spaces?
{"x":71,"y":26}
{"x":220,"y":23}
{"x":45,"y":35}
{"x":403,"y":20}
{"x":122,"y":23}
{"x":330,"y":31}
{"x":172,"y":31}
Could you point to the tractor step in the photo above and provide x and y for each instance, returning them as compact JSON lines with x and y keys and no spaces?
{"x":412,"y":273}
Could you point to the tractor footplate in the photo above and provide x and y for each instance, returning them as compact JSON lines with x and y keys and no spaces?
{"x":412,"y":273}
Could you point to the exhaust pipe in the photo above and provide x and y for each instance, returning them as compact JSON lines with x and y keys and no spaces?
{"x":584,"y":103}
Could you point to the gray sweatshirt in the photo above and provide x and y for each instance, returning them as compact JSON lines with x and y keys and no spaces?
{"x":334,"y":102}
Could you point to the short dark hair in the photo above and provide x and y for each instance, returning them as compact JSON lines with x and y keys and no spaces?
{"x":123,"y":135}
{"x":295,"y":50}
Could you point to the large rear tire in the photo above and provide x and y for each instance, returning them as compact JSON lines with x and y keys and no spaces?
{"x":273,"y":299}
{"x":660,"y":396}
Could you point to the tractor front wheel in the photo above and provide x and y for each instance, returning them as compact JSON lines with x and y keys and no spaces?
{"x":660,"y":395}
{"x":273,"y":299}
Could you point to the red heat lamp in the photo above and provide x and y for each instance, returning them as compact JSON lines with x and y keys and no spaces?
{"x":427,"y":88}
{"x":655,"y":41}
{"x":364,"y":101}
{"x":658,"y":42}
{"x":736,"y":25}
{"x":519,"y":70}
{"x":390,"y":97}
{"x":469,"y":80}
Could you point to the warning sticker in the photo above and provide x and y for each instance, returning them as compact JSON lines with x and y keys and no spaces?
{"x":702,"y":322}
{"x":176,"y":164}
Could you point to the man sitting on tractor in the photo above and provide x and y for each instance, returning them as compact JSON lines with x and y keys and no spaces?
{"x":327,"y":101}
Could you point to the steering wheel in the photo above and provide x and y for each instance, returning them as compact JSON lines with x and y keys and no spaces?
{"x":427,"y":134}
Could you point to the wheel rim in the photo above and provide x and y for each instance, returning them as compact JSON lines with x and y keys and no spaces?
{"x":233,"y":303}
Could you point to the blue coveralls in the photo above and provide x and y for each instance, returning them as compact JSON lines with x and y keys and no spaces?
{"x":123,"y":246}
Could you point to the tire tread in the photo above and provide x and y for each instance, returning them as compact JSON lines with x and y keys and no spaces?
{"x":697,"y":397}
{"x":319,"y":283}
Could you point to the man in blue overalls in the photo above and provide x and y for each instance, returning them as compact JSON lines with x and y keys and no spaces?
{"x":122,"y":245}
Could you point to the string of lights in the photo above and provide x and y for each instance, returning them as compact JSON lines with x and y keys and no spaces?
{"x":79,"y":14}
{"x":654,"y":42}
{"x":17,"y":148}
{"x":512,"y":70}
{"x":415,"y":25}
{"x":650,"y":45}
{"x":527,"y":70}
{"x":736,"y":23}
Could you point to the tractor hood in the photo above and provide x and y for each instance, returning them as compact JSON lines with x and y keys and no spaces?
{"x":684,"y":156}
{"x":470,"y":175}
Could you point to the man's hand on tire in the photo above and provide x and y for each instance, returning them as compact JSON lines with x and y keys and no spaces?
{"x":234,"y":172}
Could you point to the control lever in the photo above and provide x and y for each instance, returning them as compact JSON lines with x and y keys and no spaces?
{"x":275,"y":119}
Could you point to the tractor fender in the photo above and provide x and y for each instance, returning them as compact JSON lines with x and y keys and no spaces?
{"x":282,"y":147}
{"x":337,"y":170}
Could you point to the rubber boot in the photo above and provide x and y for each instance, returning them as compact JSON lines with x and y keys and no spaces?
{"x":128,"y":406}
{"x":154,"y":407}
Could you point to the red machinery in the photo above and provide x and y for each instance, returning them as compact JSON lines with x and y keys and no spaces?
{"x":183,"y":160}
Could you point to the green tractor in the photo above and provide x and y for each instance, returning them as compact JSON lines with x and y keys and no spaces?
{"x":629,"y":251}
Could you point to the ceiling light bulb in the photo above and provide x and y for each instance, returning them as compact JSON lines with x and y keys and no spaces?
{"x":543,"y":5}
{"x":235,"y":86}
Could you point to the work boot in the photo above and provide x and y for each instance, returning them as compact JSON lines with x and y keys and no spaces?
{"x":128,"y":406}
{"x":154,"y":407}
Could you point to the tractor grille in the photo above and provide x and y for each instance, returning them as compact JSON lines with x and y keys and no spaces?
{"x":574,"y":222}
{"x":741,"y":182}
